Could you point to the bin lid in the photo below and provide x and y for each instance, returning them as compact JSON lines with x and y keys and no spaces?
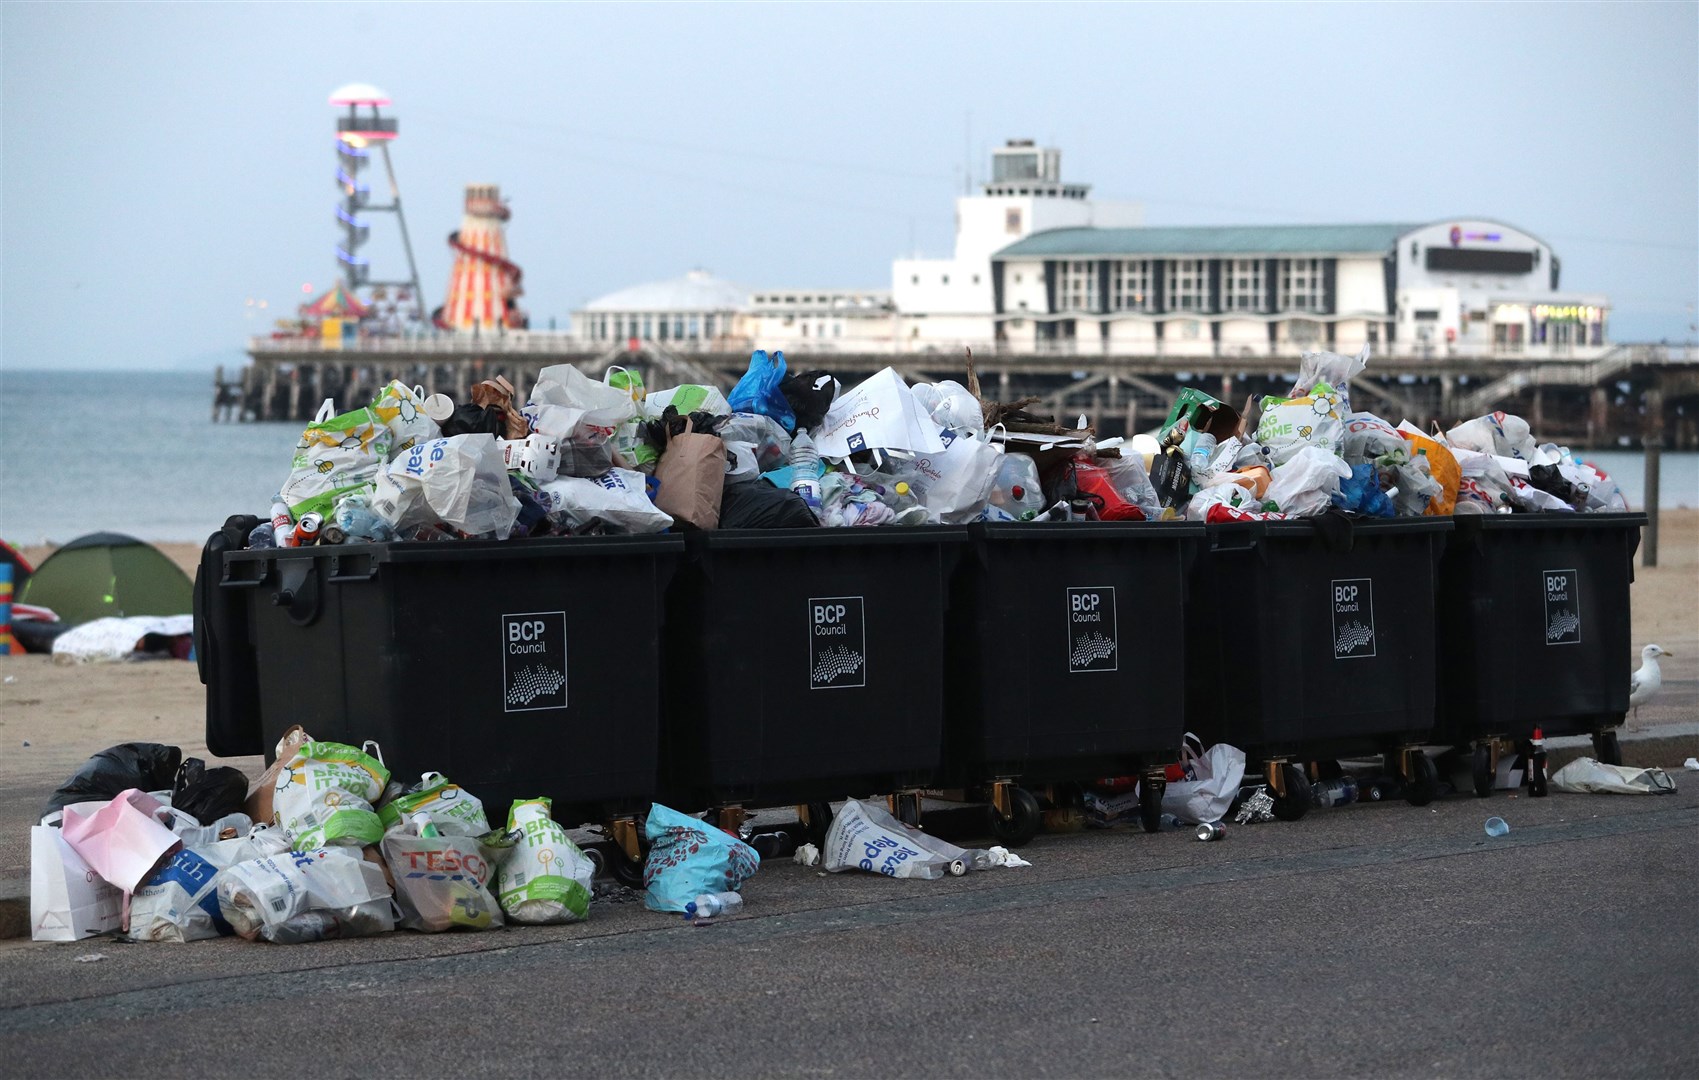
{"x":1556,"y":520}
{"x":1002,"y":531}
{"x":743,"y":539}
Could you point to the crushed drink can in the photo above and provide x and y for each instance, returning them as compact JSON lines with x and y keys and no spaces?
{"x":1212,"y":830}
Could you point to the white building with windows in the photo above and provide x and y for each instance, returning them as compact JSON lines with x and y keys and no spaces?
{"x":702,"y":313}
{"x":1466,"y":286}
{"x":1041,"y":267}
{"x":948,"y":301}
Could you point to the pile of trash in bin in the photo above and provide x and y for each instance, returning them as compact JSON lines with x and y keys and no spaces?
{"x":797,"y":450}
{"x":1310,"y":452}
{"x":327,"y":844}
{"x":787,"y":450}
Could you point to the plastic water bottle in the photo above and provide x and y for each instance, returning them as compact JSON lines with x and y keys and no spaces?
{"x":902,"y":499}
{"x":1340,"y":792}
{"x":261,"y":536}
{"x":709,"y":905}
{"x":805,"y":470}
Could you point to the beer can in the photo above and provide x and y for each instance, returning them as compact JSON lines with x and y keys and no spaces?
{"x":957,"y":868}
{"x":332,"y":534}
{"x":1212,"y":830}
{"x":307,"y":529}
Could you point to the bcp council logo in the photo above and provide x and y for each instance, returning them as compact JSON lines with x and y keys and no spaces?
{"x":1563,"y":607}
{"x":1353,"y":603}
{"x":1092,"y":644}
{"x":837,"y":643}
{"x":533,"y":661}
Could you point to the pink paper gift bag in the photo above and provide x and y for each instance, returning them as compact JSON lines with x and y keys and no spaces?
{"x":122,"y":841}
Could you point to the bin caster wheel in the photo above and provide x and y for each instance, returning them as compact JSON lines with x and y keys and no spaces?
{"x":1423,"y":783}
{"x":1481,"y":770}
{"x":1022,"y":822}
{"x":1150,"y":804}
{"x":819,"y":822}
{"x":624,"y":870}
{"x":1606,"y":748}
{"x":1296,"y":802}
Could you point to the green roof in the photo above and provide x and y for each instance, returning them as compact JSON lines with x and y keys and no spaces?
{"x":1208,"y":240}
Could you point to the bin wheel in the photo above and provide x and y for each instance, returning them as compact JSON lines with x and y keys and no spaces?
{"x":624,"y":870}
{"x":1296,"y":802}
{"x":1481,"y":770}
{"x":1150,"y":804}
{"x":1423,"y":783}
{"x":1023,"y":821}
{"x":819,"y":822}
{"x":1606,"y":748}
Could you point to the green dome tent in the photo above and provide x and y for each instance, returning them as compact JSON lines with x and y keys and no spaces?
{"x":105,"y":574}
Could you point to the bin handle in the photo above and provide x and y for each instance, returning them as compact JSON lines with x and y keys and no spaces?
{"x":298,"y":590}
{"x":353,"y":567}
{"x":1245,"y":539}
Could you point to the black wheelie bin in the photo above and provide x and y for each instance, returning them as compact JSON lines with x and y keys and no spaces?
{"x":805,"y":666}
{"x":1534,"y":633}
{"x":519,"y":669}
{"x":1312,"y":639}
{"x":1067,"y":655}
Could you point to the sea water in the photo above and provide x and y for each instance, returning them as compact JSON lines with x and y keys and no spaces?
{"x":137,"y":452}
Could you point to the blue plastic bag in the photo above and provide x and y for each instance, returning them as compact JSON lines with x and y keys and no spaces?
{"x":1360,"y":493}
{"x":759,"y":390}
{"x":689,"y":857}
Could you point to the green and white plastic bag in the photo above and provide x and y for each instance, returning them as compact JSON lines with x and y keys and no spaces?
{"x":324,"y":796}
{"x":1290,"y":424}
{"x":545,"y":878}
{"x":401,"y":409}
{"x":686,"y":399}
{"x":335,"y":454}
{"x":628,"y":440}
{"x":452,"y":810}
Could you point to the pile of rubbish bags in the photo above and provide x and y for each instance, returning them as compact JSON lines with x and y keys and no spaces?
{"x":327,"y":844}
{"x":1311,"y":452}
{"x":797,"y":450}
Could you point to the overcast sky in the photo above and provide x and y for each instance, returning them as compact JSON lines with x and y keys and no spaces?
{"x":162,"y":165}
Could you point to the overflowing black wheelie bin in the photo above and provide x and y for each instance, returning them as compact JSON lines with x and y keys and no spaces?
{"x":1066,"y":660}
{"x":1313,"y":639}
{"x":1534,"y":632}
{"x":518,"y":669}
{"x":805,"y":666}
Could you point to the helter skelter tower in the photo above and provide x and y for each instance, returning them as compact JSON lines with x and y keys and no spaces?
{"x":484,"y":287}
{"x":358,"y":132}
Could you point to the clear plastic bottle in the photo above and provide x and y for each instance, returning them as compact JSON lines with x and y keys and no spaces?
{"x":905,"y":503}
{"x":709,"y":905}
{"x":1338,"y":792}
{"x":805,"y":470}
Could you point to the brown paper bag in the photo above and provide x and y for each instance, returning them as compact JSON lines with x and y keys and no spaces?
{"x":500,"y":393}
{"x":692,"y":475}
{"x":258,"y":806}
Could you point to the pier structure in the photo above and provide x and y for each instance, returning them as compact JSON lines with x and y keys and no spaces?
{"x":1599,"y":399}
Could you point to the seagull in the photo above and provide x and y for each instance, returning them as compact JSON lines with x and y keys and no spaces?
{"x":1646,"y":683}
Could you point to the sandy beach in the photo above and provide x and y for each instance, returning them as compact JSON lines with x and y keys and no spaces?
{"x":53,"y":717}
